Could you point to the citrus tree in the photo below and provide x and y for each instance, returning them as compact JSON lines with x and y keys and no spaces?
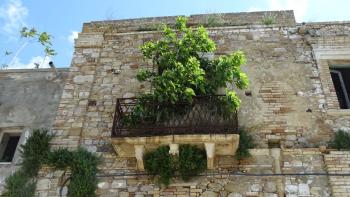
{"x":183,"y":69}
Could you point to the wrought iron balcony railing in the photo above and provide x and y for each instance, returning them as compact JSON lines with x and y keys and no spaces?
{"x":202,"y":116}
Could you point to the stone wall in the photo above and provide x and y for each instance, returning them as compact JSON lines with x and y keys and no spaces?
{"x":338,"y":162}
{"x":290,"y":102}
{"x":287,"y":100}
{"x":280,"y":18}
{"x":303,"y":172}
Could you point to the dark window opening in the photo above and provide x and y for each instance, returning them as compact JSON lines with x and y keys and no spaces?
{"x":274,"y":143}
{"x":8,"y":147}
{"x":341,"y":81}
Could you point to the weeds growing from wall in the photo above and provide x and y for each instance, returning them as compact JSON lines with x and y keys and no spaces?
{"x":60,"y":158}
{"x":22,"y":183}
{"x":36,"y":151}
{"x":246,"y":142}
{"x":19,"y":184}
{"x":341,"y":140}
{"x":190,"y":162}
{"x":214,"y":20}
{"x":159,"y":163}
{"x":83,"y":181}
{"x":83,"y":166}
{"x":269,"y":19}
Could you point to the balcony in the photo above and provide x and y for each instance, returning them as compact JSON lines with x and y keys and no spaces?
{"x":202,"y":123}
{"x":199,"y":117}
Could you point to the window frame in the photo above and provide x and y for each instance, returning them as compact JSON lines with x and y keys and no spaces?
{"x":333,"y":69}
{"x":325,"y":57}
{"x":5,"y":147}
{"x":23,"y":133}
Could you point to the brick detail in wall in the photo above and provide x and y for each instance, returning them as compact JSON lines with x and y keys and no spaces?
{"x":277,"y":98}
{"x":338,"y":162}
{"x":328,"y":86}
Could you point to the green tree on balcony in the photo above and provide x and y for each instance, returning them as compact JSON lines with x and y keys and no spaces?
{"x":183,"y":70}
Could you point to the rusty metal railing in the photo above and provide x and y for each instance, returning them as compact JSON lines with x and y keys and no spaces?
{"x":201,"y":116}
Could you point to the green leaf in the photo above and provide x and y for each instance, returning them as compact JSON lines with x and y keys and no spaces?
{"x":181,"y":23}
{"x":26,"y":33}
{"x":49,"y":51}
{"x":44,"y":39}
{"x":189,"y":93}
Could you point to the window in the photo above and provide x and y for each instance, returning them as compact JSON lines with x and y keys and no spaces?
{"x":332,"y":56}
{"x":8,"y":146}
{"x":341,"y":80}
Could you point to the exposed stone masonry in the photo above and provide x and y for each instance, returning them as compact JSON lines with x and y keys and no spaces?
{"x":288,"y":104}
{"x":291,"y":103}
{"x":338,"y":162}
{"x":243,"y":182}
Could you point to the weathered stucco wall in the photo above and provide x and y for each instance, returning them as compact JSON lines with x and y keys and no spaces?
{"x":28,"y":100}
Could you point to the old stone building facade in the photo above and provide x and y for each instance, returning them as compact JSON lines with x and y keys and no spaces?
{"x":291,"y":108}
{"x":28,"y":100}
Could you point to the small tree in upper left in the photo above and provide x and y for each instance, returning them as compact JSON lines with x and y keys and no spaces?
{"x":29,"y":36}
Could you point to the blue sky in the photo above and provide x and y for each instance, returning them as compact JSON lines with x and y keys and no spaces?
{"x":63,"y":19}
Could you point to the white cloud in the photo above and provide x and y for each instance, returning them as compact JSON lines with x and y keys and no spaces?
{"x":299,"y":7}
{"x":72,"y":36}
{"x":17,"y":64}
{"x":254,"y":9}
{"x":13,"y":15}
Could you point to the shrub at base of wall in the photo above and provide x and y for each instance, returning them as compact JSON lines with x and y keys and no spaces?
{"x":83,"y":165}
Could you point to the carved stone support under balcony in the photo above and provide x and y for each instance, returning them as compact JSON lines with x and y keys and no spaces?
{"x":174,"y":149}
{"x":139,"y":152}
{"x":276,"y":154}
{"x":215,"y":144}
{"x":210,"y":150}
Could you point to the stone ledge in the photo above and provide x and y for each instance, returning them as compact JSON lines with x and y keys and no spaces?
{"x":338,"y":112}
{"x":225,"y":144}
{"x":216,"y":144}
{"x":33,"y":70}
{"x":282,"y":18}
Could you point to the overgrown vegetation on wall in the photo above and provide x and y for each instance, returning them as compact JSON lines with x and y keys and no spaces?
{"x":160,"y":164}
{"x":269,"y":19}
{"x":182,"y":70}
{"x":36,"y":151}
{"x":341,"y":140}
{"x":192,"y":161}
{"x":246,"y":142}
{"x":83,"y":166}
